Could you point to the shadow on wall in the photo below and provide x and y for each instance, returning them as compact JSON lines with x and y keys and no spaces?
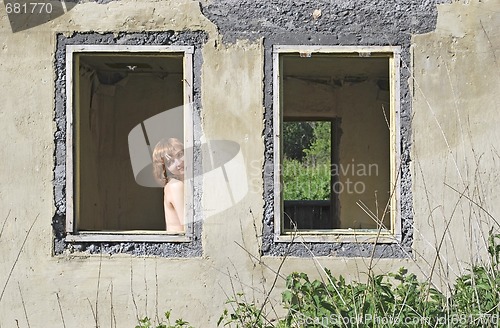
{"x":24,"y":14}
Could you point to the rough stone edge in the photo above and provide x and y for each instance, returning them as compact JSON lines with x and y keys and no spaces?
{"x":339,"y":249}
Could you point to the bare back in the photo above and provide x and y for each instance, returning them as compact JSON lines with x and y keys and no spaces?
{"x":173,"y":201}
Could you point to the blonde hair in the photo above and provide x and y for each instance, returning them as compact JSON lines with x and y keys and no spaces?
{"x":164,"y":150}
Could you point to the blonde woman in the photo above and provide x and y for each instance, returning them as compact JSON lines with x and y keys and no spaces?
{"x":168,"y":167}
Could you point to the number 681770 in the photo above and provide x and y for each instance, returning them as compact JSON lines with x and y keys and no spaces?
{"x":28,"y":8}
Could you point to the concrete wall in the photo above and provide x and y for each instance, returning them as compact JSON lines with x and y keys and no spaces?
{"x":454,"y":134}
{"x":455,"y":161}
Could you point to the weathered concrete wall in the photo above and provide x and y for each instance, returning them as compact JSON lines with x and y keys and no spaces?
{"x":341,"y":23}
{"x":455,"y":157}
{"x":72,"y":288}
{"x":39,"y":279}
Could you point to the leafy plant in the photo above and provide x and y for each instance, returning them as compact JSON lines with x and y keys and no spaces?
{"x":298,"y":136}
{"x":476,"y":295}
{"x":321,"y":145}
{"x":244,"y":314}
{"x":179,"y":323}
{"x":305,"y":182}
{"x":380,"y":302}
{"x":394,"y":300}
{"x":307,"y":160}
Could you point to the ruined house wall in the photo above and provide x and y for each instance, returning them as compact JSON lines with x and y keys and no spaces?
{"x":455,"y":134}
{"x":340,"y":23}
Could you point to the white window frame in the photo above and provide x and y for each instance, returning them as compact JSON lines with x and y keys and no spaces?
{"x":340,"y":235}
{"x":73,"y":235}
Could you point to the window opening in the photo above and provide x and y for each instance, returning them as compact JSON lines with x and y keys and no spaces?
{"x":336,"y":142}
{"x":122,"y":101}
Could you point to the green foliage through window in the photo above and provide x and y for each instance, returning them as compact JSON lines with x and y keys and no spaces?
{"x":306,"y":161}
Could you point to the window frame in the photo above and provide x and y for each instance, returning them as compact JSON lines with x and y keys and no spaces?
{"x":72,"y":234}
{"x":393,"y":235}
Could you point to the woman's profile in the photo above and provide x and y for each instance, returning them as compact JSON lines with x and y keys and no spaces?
{"x":168,"y":167}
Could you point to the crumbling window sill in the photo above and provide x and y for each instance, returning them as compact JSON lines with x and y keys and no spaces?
{"x":340,"y":236}
{"x":128,"y":236}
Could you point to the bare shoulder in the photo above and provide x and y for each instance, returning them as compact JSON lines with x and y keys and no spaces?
{"x":174,"y":185}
